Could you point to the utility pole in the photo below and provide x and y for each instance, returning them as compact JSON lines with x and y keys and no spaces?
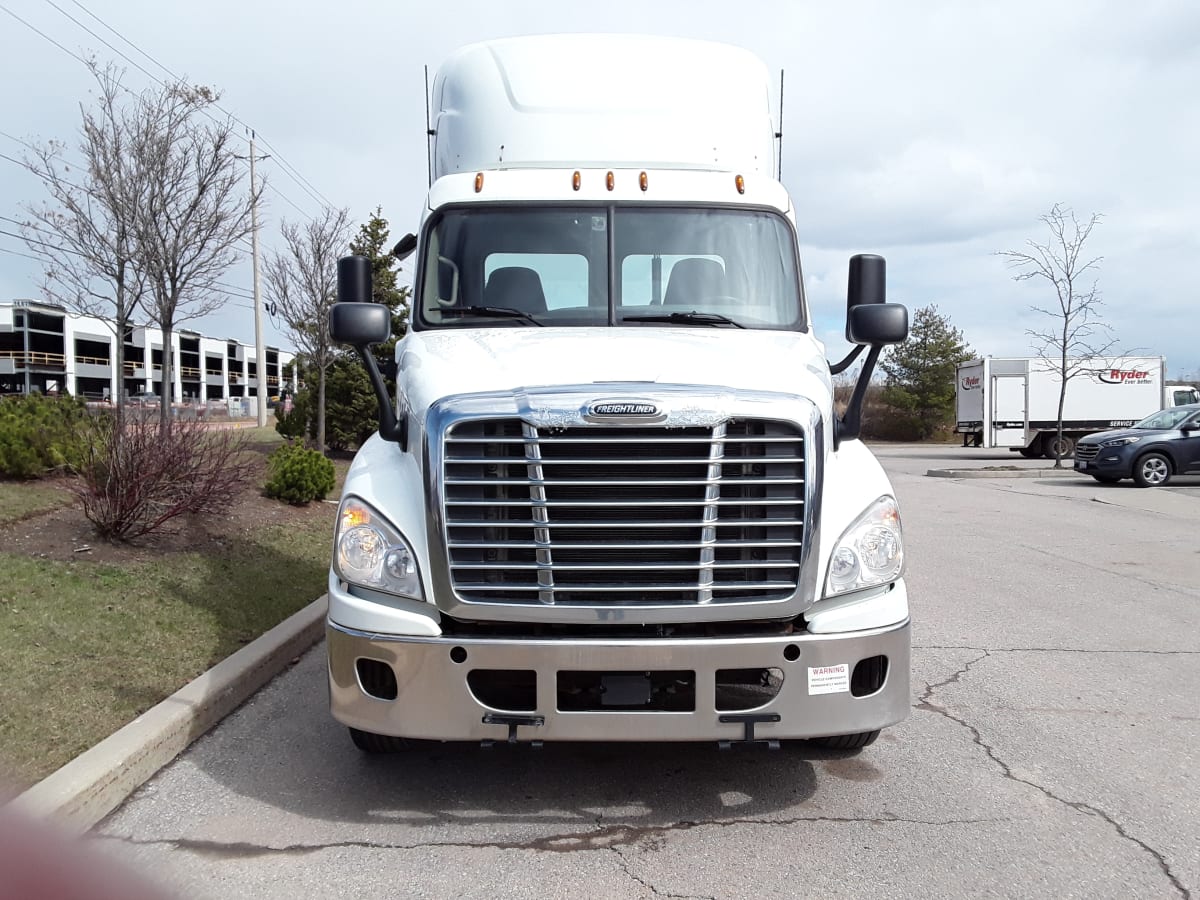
{"x":260,"y":350}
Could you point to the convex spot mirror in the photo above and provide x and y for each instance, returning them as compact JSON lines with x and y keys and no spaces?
{"x":360,"y":324}
{"x":404,"y":247}
{"x":877,"y":323}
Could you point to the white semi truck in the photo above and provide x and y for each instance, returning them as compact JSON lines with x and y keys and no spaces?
{"x":612,"y":499}
{"x":1013,"y":402}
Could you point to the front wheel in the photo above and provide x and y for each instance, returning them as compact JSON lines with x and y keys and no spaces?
{"x":1152,"y":470}
{"x":847,"y":741}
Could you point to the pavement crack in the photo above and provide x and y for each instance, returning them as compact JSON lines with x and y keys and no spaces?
{"x":602,"y":837}
{"x":927,"y":704}
{"x":623,"y":861}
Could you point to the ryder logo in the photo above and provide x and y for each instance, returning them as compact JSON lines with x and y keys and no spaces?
{"x":1124,"y":376}
{"x":971,"y":382}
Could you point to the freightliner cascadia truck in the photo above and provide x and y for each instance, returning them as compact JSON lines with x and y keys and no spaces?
{"x":611,"y":498}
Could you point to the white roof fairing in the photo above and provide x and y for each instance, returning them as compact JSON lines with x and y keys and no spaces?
{"x":602,"y":101}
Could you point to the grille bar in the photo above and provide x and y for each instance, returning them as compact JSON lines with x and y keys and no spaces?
{"x":464,"y":545}
{"x":623,"y":515}
{"x":601,"y":504}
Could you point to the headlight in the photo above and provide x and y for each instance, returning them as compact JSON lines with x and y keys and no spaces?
{"x":1120,"y":442}
{"x":368,"y":551}
{"x":870,"y":552}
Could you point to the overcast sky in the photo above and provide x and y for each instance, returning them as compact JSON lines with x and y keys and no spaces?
{"x":934,"y":133}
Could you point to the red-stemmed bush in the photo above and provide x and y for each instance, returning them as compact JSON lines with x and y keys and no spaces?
{"x":138,"y":478}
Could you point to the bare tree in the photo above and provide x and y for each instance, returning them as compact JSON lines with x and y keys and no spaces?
{"x":1079,"y":334}
{"x":85,"y":233}
{"x":197,"y":207}
{"x":302,"y":282}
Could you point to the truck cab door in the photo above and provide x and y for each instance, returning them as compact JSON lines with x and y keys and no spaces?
{"x":1008,"y":411}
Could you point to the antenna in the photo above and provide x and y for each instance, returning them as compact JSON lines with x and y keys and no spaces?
{"x":779,"y":133}
{"x":429,"y":132}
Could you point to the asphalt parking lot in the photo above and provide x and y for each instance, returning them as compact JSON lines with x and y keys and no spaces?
{"x":1051,"y":749}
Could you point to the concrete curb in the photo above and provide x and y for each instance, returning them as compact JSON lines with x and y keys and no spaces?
{"x":997,"y":473}
{"x":96,"y":782}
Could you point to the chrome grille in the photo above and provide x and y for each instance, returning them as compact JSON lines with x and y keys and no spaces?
{"x":1087,"y":451}
{"x":623,"y":515}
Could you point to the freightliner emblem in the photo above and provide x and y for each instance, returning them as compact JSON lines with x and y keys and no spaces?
{"x":623,"y":409}
{"x":615,"y":411}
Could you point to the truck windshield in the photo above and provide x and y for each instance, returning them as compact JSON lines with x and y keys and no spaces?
{"x":614,"y":265}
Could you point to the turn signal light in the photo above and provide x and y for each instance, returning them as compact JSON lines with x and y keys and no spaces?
{"x":478,"y":182}
{"x":576,"y":180}
{"x":643,"y":181}
{"x":741,"y":184}
{"x":610,"y":181}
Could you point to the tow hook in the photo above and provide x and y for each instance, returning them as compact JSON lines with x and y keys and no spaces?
{"x":513,"y":723}
{"x":749,"y":720}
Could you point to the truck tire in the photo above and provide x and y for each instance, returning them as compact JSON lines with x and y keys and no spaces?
{"x":848,"y":741}
{"x":368,"y":742}
{"x":1050,"y":444}
{"x":1152,"y":470}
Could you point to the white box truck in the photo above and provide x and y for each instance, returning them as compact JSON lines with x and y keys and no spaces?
{"x":1013,"y":402}
{"x":611,"y":499}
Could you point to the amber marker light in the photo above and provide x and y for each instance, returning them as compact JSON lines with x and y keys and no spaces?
{"x":576,"y":180}
{"x":741,"y":184}
{"x":354,"y":515}
{"x":610,"y":181}
{"x":479,"y":182}
{"x":643,"y":181}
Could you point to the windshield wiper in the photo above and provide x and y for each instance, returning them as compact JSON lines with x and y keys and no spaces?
{"x":686,"y":318}
{"x":492,"y":312}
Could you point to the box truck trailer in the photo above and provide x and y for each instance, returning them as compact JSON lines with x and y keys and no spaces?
{"x":611,"y":499}
{"x":1013,"y":402}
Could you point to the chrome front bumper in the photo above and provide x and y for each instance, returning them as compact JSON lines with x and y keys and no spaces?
{"x":434,"y":700}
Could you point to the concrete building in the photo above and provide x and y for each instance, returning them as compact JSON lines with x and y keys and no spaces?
{"x":47,"y":348}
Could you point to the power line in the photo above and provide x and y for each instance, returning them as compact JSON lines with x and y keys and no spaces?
{"x":159,"y":81}
{"x":230,"y":289}
{"x":19,"y":253}
{"x":23,"y":143}
{"x":30,"y":240}
{"x":297,"y":177}
{"x":132,"y":62}
{"x":43,"y":34}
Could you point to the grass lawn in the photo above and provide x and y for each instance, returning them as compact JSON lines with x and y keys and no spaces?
{"x":21,"y":499}
{"x":92,"y":635}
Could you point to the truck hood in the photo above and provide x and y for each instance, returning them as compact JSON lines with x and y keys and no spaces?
{"x":441,"y":363}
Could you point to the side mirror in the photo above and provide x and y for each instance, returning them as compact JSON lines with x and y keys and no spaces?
{"x":877,"y":323}
{"x":360,"y":324}
{"x":356,"y":321}
{"x":1190,"y":426}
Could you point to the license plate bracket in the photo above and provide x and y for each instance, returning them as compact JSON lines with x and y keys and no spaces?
{"x":625,"y":689}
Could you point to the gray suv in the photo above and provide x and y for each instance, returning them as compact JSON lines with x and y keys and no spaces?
{"x":1151,"y":452}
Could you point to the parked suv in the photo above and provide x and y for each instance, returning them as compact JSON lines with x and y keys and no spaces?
{"x":1151,"y":452}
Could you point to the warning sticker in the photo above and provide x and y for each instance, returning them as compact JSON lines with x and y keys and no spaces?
{"x":829,"y":679}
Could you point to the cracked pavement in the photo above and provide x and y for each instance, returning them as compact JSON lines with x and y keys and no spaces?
{"x":1051,"y":751}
